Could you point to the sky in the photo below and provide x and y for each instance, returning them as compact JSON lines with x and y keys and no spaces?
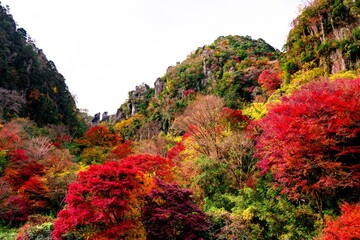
{"x":104,"y":49}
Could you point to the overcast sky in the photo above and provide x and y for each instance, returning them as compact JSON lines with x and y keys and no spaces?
{"x":105,"y":48}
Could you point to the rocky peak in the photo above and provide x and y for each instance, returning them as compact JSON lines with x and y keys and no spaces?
{"x":159,"y":87}
{"x":134,"y":103}
{"x":139,"y":91}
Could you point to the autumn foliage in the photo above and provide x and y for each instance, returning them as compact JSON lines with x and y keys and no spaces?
{"x":346,"y":226}
{"x":98,"y":201}
{"x":35,"y":193}
{"x":233,"y":119}
{"x":105,"y":201}
{"x":99,"y":144}
{"x":35,"y":176}
{"x":238,"y":141}
{"x":310,"y":142}
{"x":174,"y":152}
{"x":169,"y":212}
{"x":99,"y":136}
{"x":37,"y":227}
{"x":13,"y":208}
{"x":21,"y":169}
{"x":122,"y":150}
{"x":270,"y":80}
{"x":154,"y":165}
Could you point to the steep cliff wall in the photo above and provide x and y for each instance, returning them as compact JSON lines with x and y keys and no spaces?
{"x":326,"y":35}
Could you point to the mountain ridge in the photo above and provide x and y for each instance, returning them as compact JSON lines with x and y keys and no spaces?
{"x":27,"y":73}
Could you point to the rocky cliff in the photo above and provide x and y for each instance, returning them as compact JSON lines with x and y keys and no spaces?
{"x":137,"y":102}
{"x":326,"y":35}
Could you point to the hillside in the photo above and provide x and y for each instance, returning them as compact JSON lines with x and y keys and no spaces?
{"x":229,"y":68}
{"x":324,"y":40}
{"x":238,"y":141}
{"x":30,"y":84}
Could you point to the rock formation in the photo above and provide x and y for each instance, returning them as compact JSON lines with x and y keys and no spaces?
{"x":134,"y":104}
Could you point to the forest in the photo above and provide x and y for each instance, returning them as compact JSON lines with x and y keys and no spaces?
{"x":238,"y":141}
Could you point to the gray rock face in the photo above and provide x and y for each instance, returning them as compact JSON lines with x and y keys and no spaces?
{"x":132,"y":106}
{"x":338,"y":61}
{"x":96,"y":119}
{"x":139,"y":91}
{"x":159,"y":87}
{"x":105,"y":117}
{"x":119,"y":115}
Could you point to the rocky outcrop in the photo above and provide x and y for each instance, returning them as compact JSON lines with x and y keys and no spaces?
{"x":137,"y":101}
{"x":337,"y":61}
{"x":95,"y":120}
{"x":325,"y":35}
{"x":159,"y":87}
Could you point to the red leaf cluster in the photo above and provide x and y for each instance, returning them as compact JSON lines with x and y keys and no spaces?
{"x":345,"y":227}
{"x":98,"y":199}
{"x":270,"y":79}
{"x":189,"y":92}
{"x":13,"y":208}
{"x":35,"y":193}
{"x":99,"y":136}
{"x":174,"y":152}
{"x":122,"y":150}
{"x":62,"y":140}
{"x":310,"y":142}
{"x":21,"y":169}
{"x":18,"y":155}
{"x":156,"y":165}
{"x":34,"y":174}
{"x":10,"y":136}
{"x":234,"y":118}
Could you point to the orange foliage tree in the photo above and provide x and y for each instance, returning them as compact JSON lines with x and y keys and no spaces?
{"x":99,"y":136}
{"x":36,"y":194}
{"x":97,"y":144}
{"x":218,"y":133}
{"x":122,"y":150}
{"x":345,"y":227}
{"x":201,"y":120}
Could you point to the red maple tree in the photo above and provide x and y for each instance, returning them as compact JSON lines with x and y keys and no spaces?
{"x":310,"y":142}
{"x":169,"y":212}
{"x":98,"y":201}
{"x":270,"y":79}
{"x":100,"y":204}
